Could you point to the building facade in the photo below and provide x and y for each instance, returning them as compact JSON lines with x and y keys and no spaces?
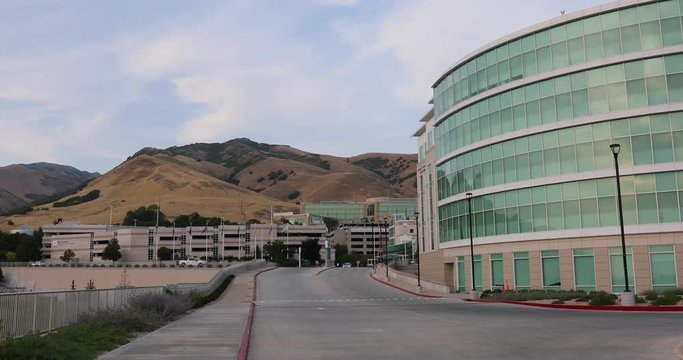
{"x":525,"y":125}
{"x":141,"y":244}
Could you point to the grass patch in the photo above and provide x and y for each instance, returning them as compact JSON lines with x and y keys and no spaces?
{"x":531,"y":295}
{"x":667,"y":298}
{"x":75,"y":342}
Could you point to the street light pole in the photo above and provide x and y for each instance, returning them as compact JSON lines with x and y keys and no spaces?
{"x":473,"y":293}
{"x":386,"y":246}
{"x":627,"y":297}
{"x":417,"y":241}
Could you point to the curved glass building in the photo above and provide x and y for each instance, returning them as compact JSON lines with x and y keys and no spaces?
{"x":525,"y":125}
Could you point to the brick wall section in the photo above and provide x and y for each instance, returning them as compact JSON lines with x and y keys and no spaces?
{"x":535,"y":276}
{"x":432,"y":266}
{"x":641,"y":266}
{"x":602,"y":268}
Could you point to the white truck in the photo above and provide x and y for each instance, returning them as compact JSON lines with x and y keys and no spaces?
{"x":192,"y":261}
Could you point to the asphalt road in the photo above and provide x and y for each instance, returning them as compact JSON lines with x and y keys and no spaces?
{"x":343,"y":314}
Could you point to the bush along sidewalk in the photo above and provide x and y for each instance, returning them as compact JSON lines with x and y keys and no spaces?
{"x":594,"y":298}
{"x":106,"y":330}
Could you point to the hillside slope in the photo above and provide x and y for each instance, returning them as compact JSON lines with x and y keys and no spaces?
{"x":143,"y":181}
{"x":21,"y":184}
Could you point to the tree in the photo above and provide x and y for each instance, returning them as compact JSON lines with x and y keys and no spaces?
{"x":11,"y":256}
{"x":277,"y":251}
{"x":331,"y":223}
{"x":253,"y":221}
{"x":29,"y":249}
{"x":112,"y":251}
{"x":145,"y":216}
{"x":10,"y":222}
{"x":90,"y":285}
{"x":164,"y":253}
{"x":310,"y":250}
{"x":68,"y":255}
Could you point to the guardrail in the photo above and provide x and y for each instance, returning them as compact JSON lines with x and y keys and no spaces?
{"x":37,"y":312}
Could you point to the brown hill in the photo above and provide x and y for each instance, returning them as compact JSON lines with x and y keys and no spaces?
{"x":142,"y":181}
{"x":22,"y":184}
{"x":290,"y":174}
{"x":238,"y":180}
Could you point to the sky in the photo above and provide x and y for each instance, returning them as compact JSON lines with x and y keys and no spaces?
{"x":89,"y":83}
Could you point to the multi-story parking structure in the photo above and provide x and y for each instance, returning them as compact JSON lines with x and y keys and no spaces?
{"x":525,"y":125}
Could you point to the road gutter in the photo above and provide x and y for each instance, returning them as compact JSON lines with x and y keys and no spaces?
{"x":243,"y":351}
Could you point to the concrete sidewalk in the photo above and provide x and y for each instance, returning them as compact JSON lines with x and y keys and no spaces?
{"x":212,"y":332}
{"x":378,"y":274}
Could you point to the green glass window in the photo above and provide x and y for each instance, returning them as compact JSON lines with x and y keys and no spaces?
{"x":616,"y":261}
{"x":675,"y":87}
{"x":671,"y":31}
{"x":642,"y":149}
{"x":461,"y":274}
{"x":663,"y":267}
{"x":656,"y":90}
{"x":550,"y":263}
{"x":607,"y":210}
{"x":667,"y":203}
{"x":572,"y":219}
{"x":521,"y":265}
{"x":477,"y":272}
{"x":555,"y":219}
{"x":584,"y":270}
{"x":497,"y":280}
{"x":631,"y":38}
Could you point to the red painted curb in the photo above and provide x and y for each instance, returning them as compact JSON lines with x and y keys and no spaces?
{"x":243,"y":352}
{"x":405,"y":290}
{"x":586,"y":307}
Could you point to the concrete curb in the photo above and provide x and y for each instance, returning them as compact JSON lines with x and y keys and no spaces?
{"x":586,"y":307}
{"x":405,"y":290}
{"x":243,"y":352}
{"x":323,"y":270}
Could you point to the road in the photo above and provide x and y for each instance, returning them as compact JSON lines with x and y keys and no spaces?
{"x":343,"y":314}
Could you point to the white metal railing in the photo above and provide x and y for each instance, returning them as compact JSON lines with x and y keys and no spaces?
{"x":37,"y":312}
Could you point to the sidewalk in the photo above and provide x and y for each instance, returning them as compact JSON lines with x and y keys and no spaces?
{"x":379,"y":276}
{"x":212,"y":332}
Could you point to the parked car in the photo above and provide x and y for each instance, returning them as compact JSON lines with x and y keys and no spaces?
{"x":37,"y":263}
{"x":346,"y":265}
{"x":192,"y":261}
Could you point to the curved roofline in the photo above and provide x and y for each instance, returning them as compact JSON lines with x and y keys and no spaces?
{"x":593,"y":10}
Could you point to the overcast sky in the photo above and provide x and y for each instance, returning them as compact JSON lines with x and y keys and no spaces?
{"x":89,"y":83}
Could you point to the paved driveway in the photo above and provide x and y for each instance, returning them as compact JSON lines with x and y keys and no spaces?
{"x":343,"y":314}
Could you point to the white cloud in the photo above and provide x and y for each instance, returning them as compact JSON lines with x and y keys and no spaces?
{"x":430,"y":35}
{"x":339,"y":2}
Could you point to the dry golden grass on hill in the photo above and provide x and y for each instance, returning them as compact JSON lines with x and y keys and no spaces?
{"x":142,"y":181}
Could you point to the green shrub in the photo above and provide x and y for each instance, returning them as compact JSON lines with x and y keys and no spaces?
{"x":640,"y":300}
{"x":215,"y":294}
{"x":602,"y":298}
{"x":668,"y":298}
{"x":651,"y":295}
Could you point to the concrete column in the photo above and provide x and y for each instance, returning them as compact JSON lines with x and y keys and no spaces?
{"x":449,"y":275}
{"x":566,"y":269}
{"x":535,"y":271}
{"x":508,"y":271}
{"x":485,"y":272}
{"x":602,"y":269}
{"x":641,"y":268}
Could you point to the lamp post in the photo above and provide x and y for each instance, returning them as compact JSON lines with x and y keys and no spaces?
{"x":417,"y":241}
{"x":627,"y":297}
{"x":386,"y":246}
{"x":473,"y":293}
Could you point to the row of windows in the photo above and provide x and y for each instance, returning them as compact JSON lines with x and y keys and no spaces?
{"x":631,"y":85}
{"x":644,"y":140}
{"x":646,"y":199}
{"x":662,"y":270}
{"x":600,"y":36}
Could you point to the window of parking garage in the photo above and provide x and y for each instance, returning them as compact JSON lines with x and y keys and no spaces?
{"x":584,"y":270}
{"x":619,"y":87}
{"x":521,"y":265}
{"x":663,"y":267}
{"x":596,"y":37}
{"x":550,"y":264}
{"x":616,"y":261}
{"x":646,"y":198}
{"x":461,"y":274}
